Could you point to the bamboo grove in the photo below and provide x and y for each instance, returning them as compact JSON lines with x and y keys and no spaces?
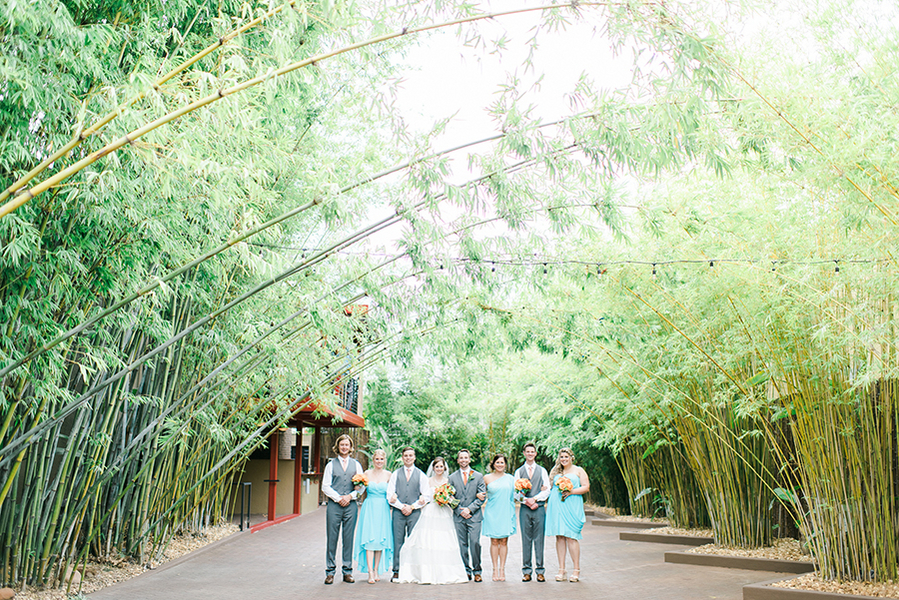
{"x":735,"y":345}
{"x":190,"y":198}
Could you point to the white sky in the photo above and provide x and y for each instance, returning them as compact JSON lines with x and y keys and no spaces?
{"x":445,"y":78}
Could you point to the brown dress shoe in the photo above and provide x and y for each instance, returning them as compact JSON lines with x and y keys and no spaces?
{"x":540,"y":577}
{"x":348,"y":578}
{"x":329,"y":579}
{"x":526,"y":577}
{"x":477,"y":578}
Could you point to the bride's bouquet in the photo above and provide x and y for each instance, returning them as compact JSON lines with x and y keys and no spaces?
{"x":444,"y":495}
{"x":522,"y":487}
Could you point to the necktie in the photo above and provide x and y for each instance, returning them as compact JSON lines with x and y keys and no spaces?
{"x":464,"y":477}
{"x":408,"y":474}
{"x":530,"y":471}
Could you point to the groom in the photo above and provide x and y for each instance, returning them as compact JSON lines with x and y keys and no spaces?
{"x":405,"y":492}
{"x":468,"y":483}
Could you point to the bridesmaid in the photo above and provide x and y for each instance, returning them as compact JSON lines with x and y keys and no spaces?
{"x":565,"y":512}
{"x":374,"y":533}
{"x":499,"y":514}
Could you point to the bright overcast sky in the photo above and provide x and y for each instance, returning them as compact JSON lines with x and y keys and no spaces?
{"x":444,"y":77}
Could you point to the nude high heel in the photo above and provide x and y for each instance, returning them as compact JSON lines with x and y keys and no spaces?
{"x":575,"y":576}
{"x":561,"y":575}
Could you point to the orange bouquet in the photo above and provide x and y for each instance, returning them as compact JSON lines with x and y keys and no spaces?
{"x":522,"y":487}
{"x":565,"y":486}
{"x":360,"y":481}
{"x":444,"y":495}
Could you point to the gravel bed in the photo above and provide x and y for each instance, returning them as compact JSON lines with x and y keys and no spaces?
{"x":103,"y":573}
{"x":783,"y":549}
{"x":810,"y":581}
{"x":678,"y":531}
{"x":633,"y":519}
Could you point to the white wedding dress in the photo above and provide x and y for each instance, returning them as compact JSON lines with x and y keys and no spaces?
{"x":431,"y":552}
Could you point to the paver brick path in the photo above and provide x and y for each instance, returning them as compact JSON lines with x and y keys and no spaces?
{"x":287,"y":561}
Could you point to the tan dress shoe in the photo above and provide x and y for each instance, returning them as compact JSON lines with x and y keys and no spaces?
{"x":478,"y":578}
{"x":329,"y":579}
{"x":526,"y":577}
{"x":540,"y":577}
{"x":348,"y":578}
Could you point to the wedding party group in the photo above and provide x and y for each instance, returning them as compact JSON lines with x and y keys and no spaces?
{"x":426,"y":527}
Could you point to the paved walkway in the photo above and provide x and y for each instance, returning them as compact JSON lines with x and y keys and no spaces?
{"x":287,"y":561}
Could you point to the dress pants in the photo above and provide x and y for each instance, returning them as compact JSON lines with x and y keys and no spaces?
{"x":402,"y":527}
{"x":338,"y":517}
{"x":533,"y":524}
{"x":469,"y":533}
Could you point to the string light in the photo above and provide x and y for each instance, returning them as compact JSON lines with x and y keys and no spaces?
{"x":653,"y":268}
{"x":836,"y":268}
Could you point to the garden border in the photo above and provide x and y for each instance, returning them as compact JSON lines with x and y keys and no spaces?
{"x":665,"y":538}
{"x":765,"y":591}
{"x":740,"y":562}
{"x":628,"y":524}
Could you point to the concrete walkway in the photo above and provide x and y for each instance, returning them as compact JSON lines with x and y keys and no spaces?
{"x":287,"y":561}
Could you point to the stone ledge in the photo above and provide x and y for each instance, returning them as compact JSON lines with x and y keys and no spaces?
{"x":627,"y":524}
{"x":740,"y":562}
{"x":765,"y":591}
{"x":664,"y":538}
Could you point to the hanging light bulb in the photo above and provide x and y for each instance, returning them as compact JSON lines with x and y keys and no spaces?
{"x":653,"y":268}
{"x":836,"y":269}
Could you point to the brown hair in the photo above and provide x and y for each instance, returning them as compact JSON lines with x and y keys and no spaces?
{"x":336,"y":450}
{"x":496,"y":458}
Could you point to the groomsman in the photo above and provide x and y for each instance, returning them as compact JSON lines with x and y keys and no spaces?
{"x":337,"y":485}
{"x":405,"y":492}
{"x":470,"y":492}
{"x":532,"y":514}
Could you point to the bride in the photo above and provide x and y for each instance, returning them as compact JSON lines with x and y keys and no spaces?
{"x":431,"y":552}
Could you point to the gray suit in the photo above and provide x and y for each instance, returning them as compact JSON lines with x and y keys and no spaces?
{"x":341,"y":517}
{"x":407,"y":492}
{"x":469,"y":530}
{"x":532,"y":522}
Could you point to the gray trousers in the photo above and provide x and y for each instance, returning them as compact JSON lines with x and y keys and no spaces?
{"x":402,"y":527}
{"x":469,"y":533}
{"x":338,"y":517}
{"x":533,"y":523}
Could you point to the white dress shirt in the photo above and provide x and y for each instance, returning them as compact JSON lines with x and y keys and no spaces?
{"x":423,"y":486}
{"x":328,"y":475}
{"x":543,"y":494}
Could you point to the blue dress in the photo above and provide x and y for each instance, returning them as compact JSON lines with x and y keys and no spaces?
{"x":374,"y":529}
{"x":499,"y":510}
{"x":565,"y":517}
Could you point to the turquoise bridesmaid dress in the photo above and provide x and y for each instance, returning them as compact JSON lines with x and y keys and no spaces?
{"x":565,"y":518}
{"x":499,"y":510}
{"x":374,"y":529}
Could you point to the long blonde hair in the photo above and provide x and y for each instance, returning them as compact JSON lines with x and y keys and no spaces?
{"x":557,"y":468}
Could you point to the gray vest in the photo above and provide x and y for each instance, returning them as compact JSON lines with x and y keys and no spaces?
{"x":536,"y":480}
{"x":342,"y":481}
{"x":408,"y":492}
